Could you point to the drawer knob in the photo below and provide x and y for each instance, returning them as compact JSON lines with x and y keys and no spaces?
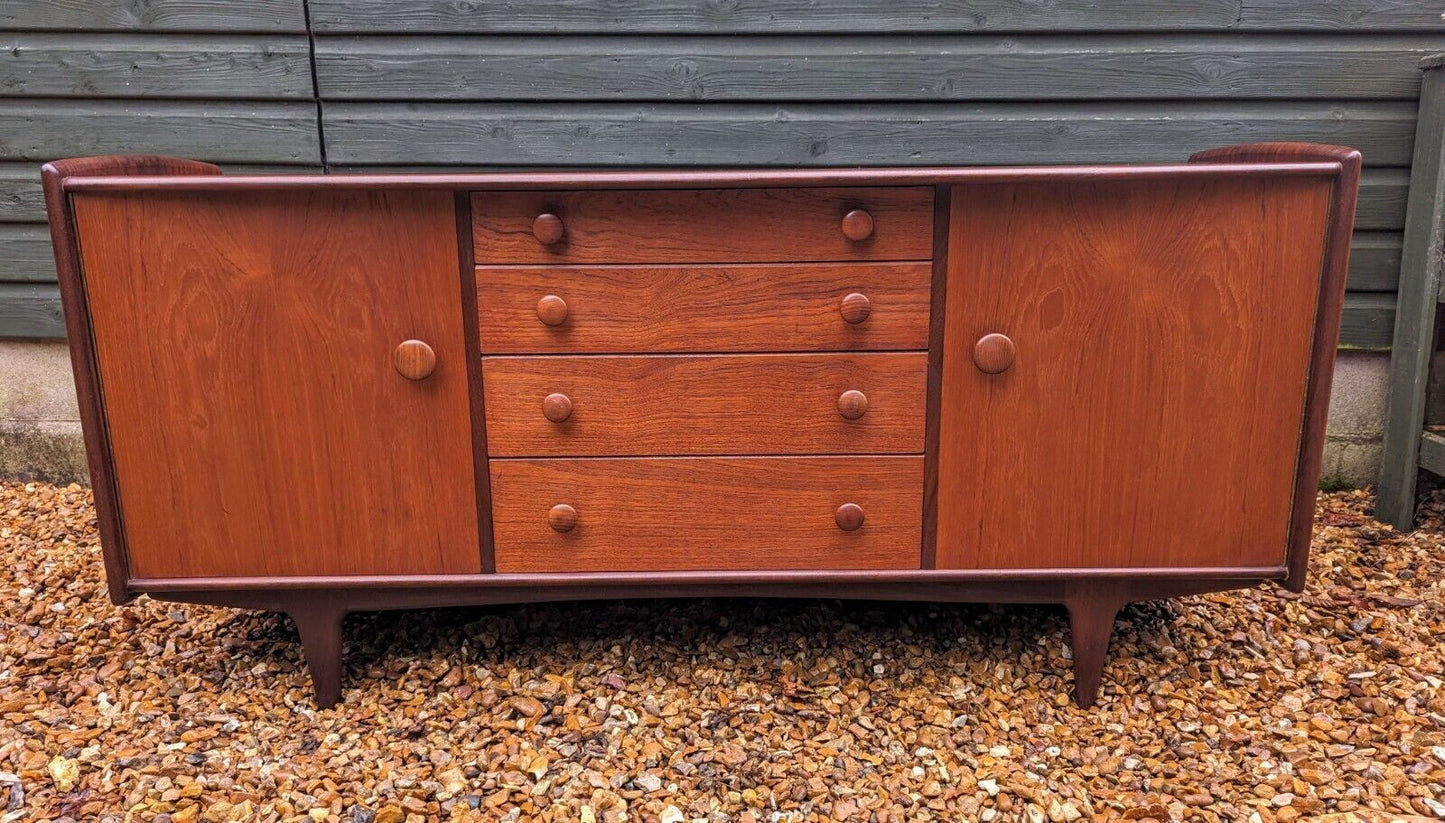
{"x":552,"y":310}
{"x":857,"y":225}
{"x":562,"y":518}
{"x":548,"y":228}
{"x":852,"y":404}
{"x":849,"y":517}
{"x":414,"y":360}
{"x":994,"y":353}
{"x":856,"y":308}
{"x":557,"y":407}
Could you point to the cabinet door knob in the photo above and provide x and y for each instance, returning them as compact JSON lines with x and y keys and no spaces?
{"x":557,"y":407}
{"x":414,"y":360}
{"x":849,"y":517}
{"x":857,"y":225}
{"x":548,"y":228}
{"x":552,"y":310}
{"x":852,"y":404}
{"x":994,"y":353}
{"x":855,"y":308}
{"x":562,"y":518}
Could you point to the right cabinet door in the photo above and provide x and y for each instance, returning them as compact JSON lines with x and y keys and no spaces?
{"x":1145,"y":407}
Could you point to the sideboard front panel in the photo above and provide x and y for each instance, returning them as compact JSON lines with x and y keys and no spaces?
{"x":259,"y":425}
{"x":1151,"y":414}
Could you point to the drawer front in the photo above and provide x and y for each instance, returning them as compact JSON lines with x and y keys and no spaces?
{"x":717,"y":308}
{"x":699,"y":514}
{"x":717,"y":404}
{"x":711,"y":226}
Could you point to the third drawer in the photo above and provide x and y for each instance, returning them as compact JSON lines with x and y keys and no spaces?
{"x":707,"y":513}
{"x":705,"y":404}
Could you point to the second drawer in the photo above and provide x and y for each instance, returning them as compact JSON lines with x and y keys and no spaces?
{"x":696,"y":405}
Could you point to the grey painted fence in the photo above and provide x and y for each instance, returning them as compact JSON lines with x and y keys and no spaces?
{"x":417,"y":84}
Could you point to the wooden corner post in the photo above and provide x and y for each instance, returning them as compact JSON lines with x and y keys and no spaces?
{"x":1419,"y":294}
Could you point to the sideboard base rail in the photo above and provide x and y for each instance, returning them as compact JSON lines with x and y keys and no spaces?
{"x":1093,"y":602}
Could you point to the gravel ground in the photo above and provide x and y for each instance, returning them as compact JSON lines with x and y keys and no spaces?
{"x":1258,"y":705}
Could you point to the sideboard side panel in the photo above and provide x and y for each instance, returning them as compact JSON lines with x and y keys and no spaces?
{"x":1153,"y":415}
{"x":257,"y":423}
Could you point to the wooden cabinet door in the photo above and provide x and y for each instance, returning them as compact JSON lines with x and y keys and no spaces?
{"x":1161,"y":334}
{"x":258,"y":423}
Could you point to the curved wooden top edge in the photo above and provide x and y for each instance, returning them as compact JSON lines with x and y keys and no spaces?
{"x":1282,"y":152}
{"x":127,"y":165}
{"x":693,"y":178}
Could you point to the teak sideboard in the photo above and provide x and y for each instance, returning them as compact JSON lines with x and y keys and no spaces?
{"x":1084,"y":385}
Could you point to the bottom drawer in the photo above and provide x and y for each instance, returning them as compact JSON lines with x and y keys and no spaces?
{"x":705,"y":513}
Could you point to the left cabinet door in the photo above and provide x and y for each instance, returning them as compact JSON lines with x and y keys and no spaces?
{"x":259,"y":421}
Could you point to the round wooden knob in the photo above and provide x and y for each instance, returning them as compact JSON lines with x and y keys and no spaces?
{"x":994,"y":353}
{"x":857,"y":225}
{"x":557,"y":407}
{"x":552,"y":310}
{"x":562,"y":518}
{"x":548,"y":228}
{"x":856,"y":308}
{"x":414,"y":360}
{"x":849,"y":517}
{"x":852,"y":404}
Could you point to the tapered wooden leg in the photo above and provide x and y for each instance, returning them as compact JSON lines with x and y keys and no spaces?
{"x":320,"y":628}
{"x":1092,"y":608}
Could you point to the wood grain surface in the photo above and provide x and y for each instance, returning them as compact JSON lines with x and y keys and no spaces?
{"x":708,"y":226}
{"x":261,"y":428}
{"x":1163,"y":334}
{"x":706,"y":308}
{"x":748,"y":513}
{"x":868,"y":67}
{"x":697,"y":405}
{"x":674,"y":17}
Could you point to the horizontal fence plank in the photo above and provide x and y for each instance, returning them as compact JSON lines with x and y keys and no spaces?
{"x":237,"y":132}
{"x":154,"y":15}
{"x":31,"y":311}
{"x":149,"y":65}
{"x":1368,"y":321}
{"x":1374,"y":261}
{"x":616,"y":134}
{"x":22,"y":201}
{"x":837,"y":16}
{"x":1382,"y":199}
{"x":26,"y":255}
{"x":1100,"y":67}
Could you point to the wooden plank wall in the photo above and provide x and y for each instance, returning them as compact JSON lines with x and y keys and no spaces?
{"x":422,"y":84}
{"x":228,"y":81}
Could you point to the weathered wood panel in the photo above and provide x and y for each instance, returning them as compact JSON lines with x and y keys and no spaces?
{"x":30,"y":310}
{"x":236,"y":132}
{"x":1382,"y":199}
{"x":1099,"y":67}
{"x":838,"y":16}
{"x":1369,"y":321}
{"x":613,"y":134}
{"x":154,"y":15}
{"x":175,"y":66}
{"x":21,"y":200}
{"x":26,"y":255}
{"x":1374,"y":261}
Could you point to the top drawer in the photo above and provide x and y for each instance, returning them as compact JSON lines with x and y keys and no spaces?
{"x":708,"y":226}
